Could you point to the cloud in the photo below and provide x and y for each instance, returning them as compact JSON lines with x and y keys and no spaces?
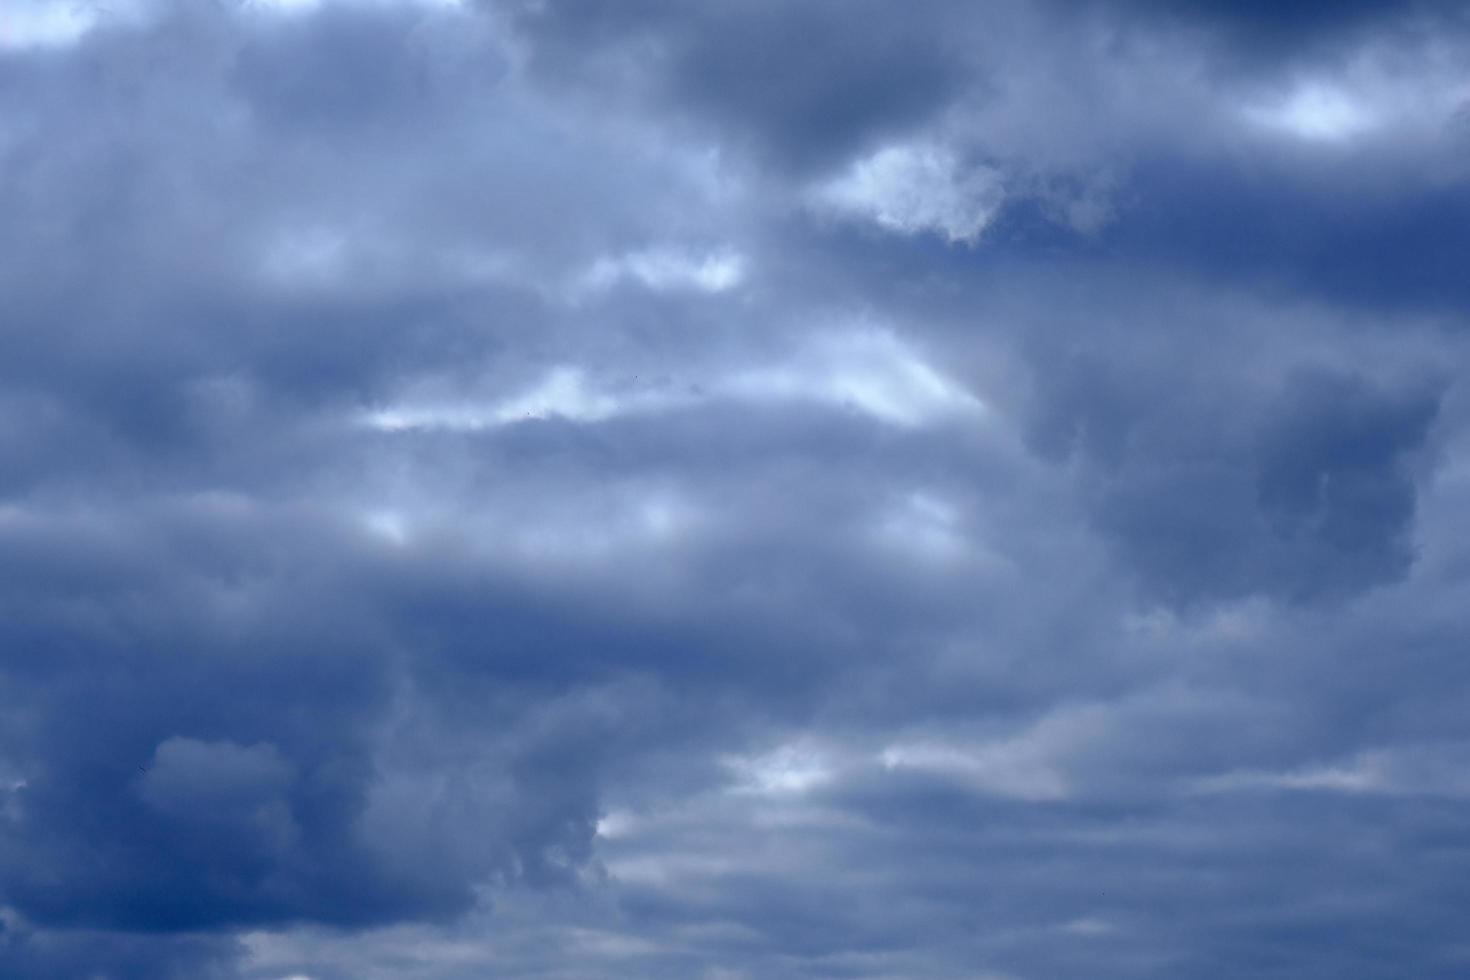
{"x":740,"y":489}
{"x":667,"y":269}
{"x":800,"y":86}
{"x":42,"y":24}
{"x":1322,"y":505}
{"x":910,"y":190}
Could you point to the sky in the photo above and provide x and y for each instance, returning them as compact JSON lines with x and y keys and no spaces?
{"x":766,"y":489}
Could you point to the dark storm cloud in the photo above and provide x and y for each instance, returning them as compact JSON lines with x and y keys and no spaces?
{"x":1259,"y":27}
{"x":1304,"y":228}
{"x":55,"y":956}
{"x":341,"y":68}
{"x":229,"y":711}
{"x":746,"y":489}
{"x":805,"y":84}
{"x":1320,"y":504}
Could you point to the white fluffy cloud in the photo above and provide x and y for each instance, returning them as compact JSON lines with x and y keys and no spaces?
{"x":915,"y":189}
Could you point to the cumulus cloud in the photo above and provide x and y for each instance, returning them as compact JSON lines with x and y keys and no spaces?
{"x":914,"y":189}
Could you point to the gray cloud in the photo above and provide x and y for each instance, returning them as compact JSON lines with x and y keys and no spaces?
{"x":782,"y":490}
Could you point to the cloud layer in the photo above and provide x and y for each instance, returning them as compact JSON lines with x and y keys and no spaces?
{"x":737,"y":489}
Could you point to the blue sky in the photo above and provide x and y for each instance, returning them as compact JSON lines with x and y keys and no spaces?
{"x":739,"y":489}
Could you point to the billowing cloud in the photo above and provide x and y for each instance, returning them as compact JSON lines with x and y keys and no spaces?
{"x":721,"y":490}
{"x":910,"y":190}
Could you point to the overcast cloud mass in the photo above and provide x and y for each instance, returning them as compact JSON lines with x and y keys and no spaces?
{"x":734,"y":489}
